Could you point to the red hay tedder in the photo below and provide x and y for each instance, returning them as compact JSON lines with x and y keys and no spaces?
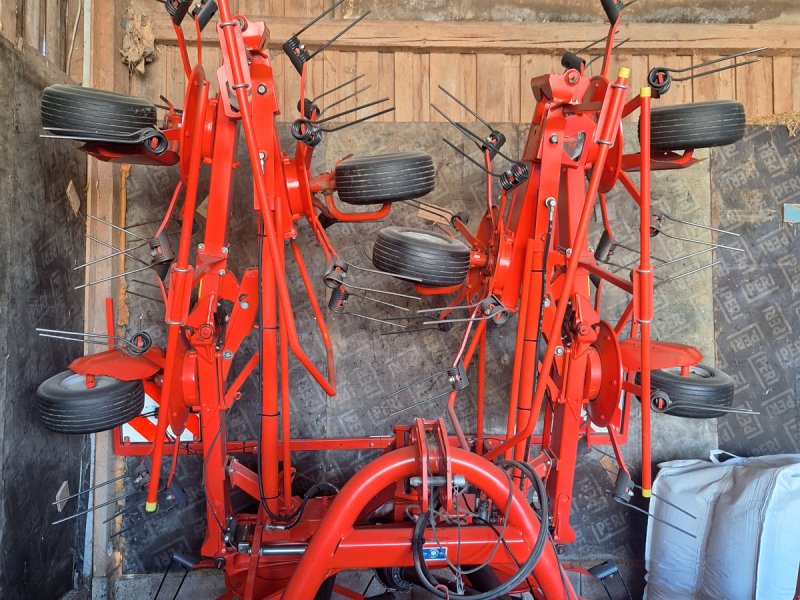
{"x":491,"y":508}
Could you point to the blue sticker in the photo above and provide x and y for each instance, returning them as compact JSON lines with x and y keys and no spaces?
{"x":433,"y":554}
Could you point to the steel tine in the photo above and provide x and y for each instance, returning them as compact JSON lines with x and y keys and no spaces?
{"x":355,"y":22}
{"x":94,"y":508}
{"x":94,"y":487}
{"x":692,"y":272}
{"x":319,"y":17}
{"x":465,"y":320}
{"x":378,"y":272}
{"x":411,"y":330}
{"x":426,"y":401}
{"x":365,"y":297}
{"x":649,"y":514}
{"x":156,"y":300}
{"x":718,"y":70}
{"x":591,"y":45}
{"x":118,"y":275}
{"x":712,"y":244}
{"x":107,"y":245}
{"x":467,"y":108}
{"x":699,"y":226}
{"x":719,"y":60}
{"x":410,"y":385}
{"x":472,"y":135}
{"x":441,"y":308}
{"x":71,"y":339}
{"x":352,"y":314}
{"x":345,"y":99}
{"x":144,"y":521}
{"x":599,"y":56}
{"x":338,"y":87}
{"x":357,"y":121}
{"x":363,"y":289}
{"x":685,"y":257}
{"x":351,"y":110}
{"x":152,"y":285}
{"x":118,"y":228}
{"x":112,"y":255}
{"x":727,"y":409}
{"x":468,"y":157}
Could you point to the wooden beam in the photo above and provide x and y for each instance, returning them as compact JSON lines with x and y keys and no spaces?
{"x":516,"y":38}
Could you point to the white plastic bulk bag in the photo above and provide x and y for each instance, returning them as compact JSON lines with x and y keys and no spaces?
{"x":747,"y":528}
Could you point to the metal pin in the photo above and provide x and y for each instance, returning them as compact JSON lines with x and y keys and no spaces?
{"x":682,"y":275}
{"x":711,"y":244}
{"x":651,"y":515}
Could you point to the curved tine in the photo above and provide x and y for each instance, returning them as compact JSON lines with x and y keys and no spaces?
{"x":599,"y":56}
{"x":357,"y":121}
{"x":451,"y":308}
{"x":719,"y":60}
{"x":695,"y":241}
{"x":591,"y":45}
{"x":698,"y":225}
{"x":345,"y":99}
{"x":397,"y":275}
{"x":469,"y":158}
{"x":338,"y":87}
{"x":374,"y":291}
{"x":318,"y":17}
{"x":480,"y":142}
{"x":352,"y":314}
{"x":117,"y":227}
{"x":717,"y":70}
{"x":352,"y":24}
{"x":351,"y":110}
{"x":467,"y":108}
{"x":365,"y":297}
{"x":687,"y":273}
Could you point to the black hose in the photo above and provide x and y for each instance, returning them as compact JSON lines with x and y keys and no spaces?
{"x":428,"y":580}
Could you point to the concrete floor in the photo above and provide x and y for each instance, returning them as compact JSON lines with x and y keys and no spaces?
{"x":210,"y":584}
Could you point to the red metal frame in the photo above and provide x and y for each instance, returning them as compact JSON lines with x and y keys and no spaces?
{"x":583,"y":370}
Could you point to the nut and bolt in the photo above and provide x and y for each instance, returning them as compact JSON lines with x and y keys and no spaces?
{"x":554,"y":139}
{"x":261,"y":89}
{"x":559,"y":350}
{"x":225,"y":250}
{"x":546,"y":302}
{"x":222,"y":273}
{"x":550,"y":202}
{"x":201,"y":246}
{"x":568,"y":252}
{"x":227,"y":355}
{"x":244,"y":305}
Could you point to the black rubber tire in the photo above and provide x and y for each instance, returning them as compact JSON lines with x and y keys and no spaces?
{"x":699,"y":125}
{"x":385,"y":178}
{"x":434,"y":258}
{"x":66,"y":405}
{"x":74,"y":110}
{"x":705,"y":386}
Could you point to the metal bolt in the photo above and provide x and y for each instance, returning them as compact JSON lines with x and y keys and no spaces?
{"x":559,"y":350}
{"x":227,"y":355}
{"x":553,"y":139}
{"x":572,"y":77}
{"x":225,"y":250}
{"x":550,"y":202}
{"x":546,"y":302}
{"x":244,"y":305}
{"x":201,"y":246}
{"x":262,"y":89}
{"x":568,"y":252}
{"x":222,"y":272}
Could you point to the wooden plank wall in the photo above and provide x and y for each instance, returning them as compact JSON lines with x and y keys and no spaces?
{"x":52,"y":29}
{"x":409,"y":69}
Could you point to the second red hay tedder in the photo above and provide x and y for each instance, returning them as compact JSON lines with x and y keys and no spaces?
{"x":442,"y":496}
